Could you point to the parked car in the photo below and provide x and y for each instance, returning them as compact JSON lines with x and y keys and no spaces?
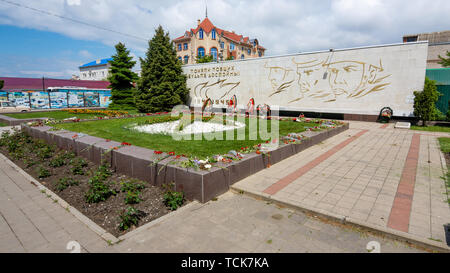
{"x":7,"y":106}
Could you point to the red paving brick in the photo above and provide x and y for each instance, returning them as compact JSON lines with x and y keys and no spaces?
{"x":384,"y":126}
{"x":401,"y":209}
{"x":285,"y":181}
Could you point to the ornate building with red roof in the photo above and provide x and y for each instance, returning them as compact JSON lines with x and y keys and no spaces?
{"x":208,"y":39}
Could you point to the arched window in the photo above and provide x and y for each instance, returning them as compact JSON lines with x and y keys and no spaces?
{"x":213,"y":34}
{"x":186,"y":59}
{"x":179,"y":47}
{"x":201,"y":52}
{"x":214,"y":53}
{"x":242,"y":57}
{"x":200,"y":34}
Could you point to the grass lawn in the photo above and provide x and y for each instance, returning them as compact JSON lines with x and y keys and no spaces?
{"x":58,"y":115}
{"x":445,"y":147}
{"x":114,"y":130}
{"x":431,"y":129}
{"x":2,"y":124}
{"x":445,"y":144}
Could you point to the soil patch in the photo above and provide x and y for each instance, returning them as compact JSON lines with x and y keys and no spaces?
{"x":105,"y":214}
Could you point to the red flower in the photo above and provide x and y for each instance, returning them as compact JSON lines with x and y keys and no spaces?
{"x":171,"y":153}
{"x":158,"y":152}
{"x":294,"y":119}
{"x":258,"y":152}
{"x":178,"y":156}
{"x":75,"y":136}
{"x":126,"y":144}
{"x":108,"y":140}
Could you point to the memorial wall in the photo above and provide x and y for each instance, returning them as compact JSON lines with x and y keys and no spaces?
{"x":348,"y":81}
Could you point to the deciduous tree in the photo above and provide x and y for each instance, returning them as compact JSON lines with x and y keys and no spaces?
{"x":425,"y":102}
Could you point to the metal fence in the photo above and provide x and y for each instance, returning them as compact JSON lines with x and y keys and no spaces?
{"x":442,"y":78}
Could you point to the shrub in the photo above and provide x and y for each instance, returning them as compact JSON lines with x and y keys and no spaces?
{"x":78,"y":166}
{"x":132,"y":197}
{"x":64,"y":183}
{"x":99,"y":189}
{"x":132,"y":185}
{"x":425,"y":102}
{"x":45,"y":152}
{"x":29,"y":163}
{"x":129,"y":217}
{"x":58,"y":161}
{"x":173,"y":199}
{"x":43,"y":172}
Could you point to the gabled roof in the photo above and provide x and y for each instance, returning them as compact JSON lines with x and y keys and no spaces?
{"x":97,"y":62}
{"x":208,"y":26}
{"x":36,"y":83}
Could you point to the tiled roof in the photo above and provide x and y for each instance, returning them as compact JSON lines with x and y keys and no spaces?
{"x":208,"y":26}
{"x":36,"y":83}
{"x":97,"y":62}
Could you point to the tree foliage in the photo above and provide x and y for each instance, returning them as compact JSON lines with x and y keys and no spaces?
{"x":445,"y":62}
{"x":425,"y":102}
{"x":121,"y":79}
{"x":162,"y":84}
{"x":205,"y":59}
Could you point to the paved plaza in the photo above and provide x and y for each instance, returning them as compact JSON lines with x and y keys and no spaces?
{"x":31,"y":221}
{"x":377,"y":176}
{"x":356,"y":174}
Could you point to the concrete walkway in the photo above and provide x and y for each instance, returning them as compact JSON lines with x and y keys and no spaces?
{"x":30,"y":221}
{"x":377,"y":176}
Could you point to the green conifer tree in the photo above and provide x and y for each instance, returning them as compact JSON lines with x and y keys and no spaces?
{"x":162,"y":84}
{"x":445,"y":62}
{"x":121,"y":79}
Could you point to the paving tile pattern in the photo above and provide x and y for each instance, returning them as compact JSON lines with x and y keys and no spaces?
{"x":362,"y":179}
{"x":32,"y":222}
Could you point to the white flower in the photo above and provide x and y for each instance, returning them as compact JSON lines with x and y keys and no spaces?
{"x":208,"y":166}
{"x":202,"y":162}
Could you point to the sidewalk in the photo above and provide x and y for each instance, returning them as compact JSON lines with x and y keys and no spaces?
{"x":377,"y":176}
{"x":32,"y":222}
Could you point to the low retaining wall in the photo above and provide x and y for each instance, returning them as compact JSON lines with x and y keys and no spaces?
{"x":143,"y":164}
{"x":14,"y":121}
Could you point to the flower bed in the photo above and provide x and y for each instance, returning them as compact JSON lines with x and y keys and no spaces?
{"x":114,"y":201}
{"x":199,"y":178}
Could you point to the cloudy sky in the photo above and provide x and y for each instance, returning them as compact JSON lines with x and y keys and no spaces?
{"x":34,"y":43}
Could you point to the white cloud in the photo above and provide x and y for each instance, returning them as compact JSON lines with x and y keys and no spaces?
{"x":85,"y":54}
{"x":73,"y":2}
{"x":282,"y":26}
